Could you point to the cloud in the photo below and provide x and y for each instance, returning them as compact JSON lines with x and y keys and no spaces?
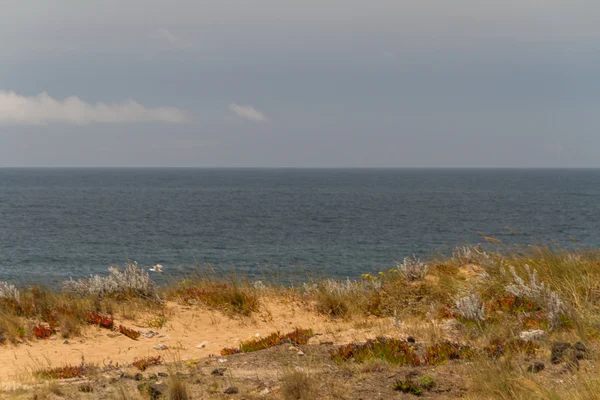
{"x":44,"y":109}
{"x":248,"y":112}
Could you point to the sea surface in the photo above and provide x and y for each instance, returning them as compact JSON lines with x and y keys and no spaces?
{"x":61,"y":223}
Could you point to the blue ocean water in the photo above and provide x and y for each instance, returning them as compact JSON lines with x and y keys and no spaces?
{"x":56,"y":223}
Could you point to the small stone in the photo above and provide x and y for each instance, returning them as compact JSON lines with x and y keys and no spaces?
{"x":161,"y":346}
{"x":222,"y":360}
{"x":65,"y":341}
{"x":257,"y":335}
{"x":163,"y":374}
{"x":534,"y":334}
{"x":292,"y":348}
{"x":148,"y":334}
{"x":536,"y":367}
{"x":264,"y":392}
{"x":202,"y":345}
{"x":410,"y":339}
{"x":53,"y":337}
{"x":218,"y":371}
{"x":231,"y":390}
{"x":138,"y":377}
{"x":167,"y":337}
{"x":300,"y":353}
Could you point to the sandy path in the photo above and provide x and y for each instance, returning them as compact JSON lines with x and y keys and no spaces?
{"x":186,"y":328}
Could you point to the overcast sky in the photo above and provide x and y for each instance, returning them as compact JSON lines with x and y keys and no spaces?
{"x":320,"y":83}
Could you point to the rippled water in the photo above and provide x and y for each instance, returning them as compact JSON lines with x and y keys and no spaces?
{"x":56,"y":223}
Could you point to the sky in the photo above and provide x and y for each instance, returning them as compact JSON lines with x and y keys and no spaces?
{"x":299,"y":83}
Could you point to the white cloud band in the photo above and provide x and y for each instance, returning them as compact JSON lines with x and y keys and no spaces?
{"x":44,"y":109}
{"x":248,"y":112}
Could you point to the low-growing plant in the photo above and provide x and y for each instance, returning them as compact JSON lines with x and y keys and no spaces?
{"x":130,"y":333}
{"x":391,"y":350}
{"x":427,"y":382}
{"x":440,"y":353}
{"x":143,"y":363}
{"x":103,"y":321}
{"x":297,"y":336}
{"x":407,"y":386}
{"x":41,"y":331}
{"x":65,"y":372}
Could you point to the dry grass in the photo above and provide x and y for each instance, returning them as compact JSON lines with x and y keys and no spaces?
{"x":299,"y":386}
{"x":551,"y":289}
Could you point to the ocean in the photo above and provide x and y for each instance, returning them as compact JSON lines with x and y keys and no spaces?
{"x":61,"y":223}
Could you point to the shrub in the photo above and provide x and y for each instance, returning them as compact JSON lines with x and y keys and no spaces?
{"x":298,"y":386}
{"x":130,"y":282}
{"x":9,"y":292}
{"x":130,"y":333}
{"x":413,"y":269}
{"x":222,"y":296}
{"x":471,"y":308}
{"x":539,"y":293}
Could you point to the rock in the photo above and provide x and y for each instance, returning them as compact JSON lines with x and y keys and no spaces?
{"x":138,"y":377}
{"x":202,"y":345}
{"x":222,"y":360}
{"x":231,"y":390}
{"x":536,"y":367}
{"x":410,"y":339}
{"x":264,"y":392}
{"x":580,"y":347}
{"x":560,"y":351}
{"x":53,"y":337}
{"x":148,"y":334}
{"x":167,"y":337}
{"x":292,"y":348}
{"x":257,"y":335}
{"x":218,"y":371}
{"x":163,"y":374}
{"x":65,"y":341}
{"x":161,"y":346}
{"x":534,"y":334}
{"x":300,"y":353}
{"x":154,"y":391}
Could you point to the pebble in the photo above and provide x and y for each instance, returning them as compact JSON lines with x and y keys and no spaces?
{"x":161,"y":346}
{"x":300,"y":353}
{"x":292,"y":348}
{"x":231,"y":390}
{"x":202,"y":345}
{"x":222,"y":360}
{"x":65,"y":341}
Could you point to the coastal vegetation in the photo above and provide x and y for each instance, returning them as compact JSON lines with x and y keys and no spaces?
{"x":502,"y":322}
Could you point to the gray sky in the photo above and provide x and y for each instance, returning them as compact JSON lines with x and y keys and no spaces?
{"x":323,"y":83}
